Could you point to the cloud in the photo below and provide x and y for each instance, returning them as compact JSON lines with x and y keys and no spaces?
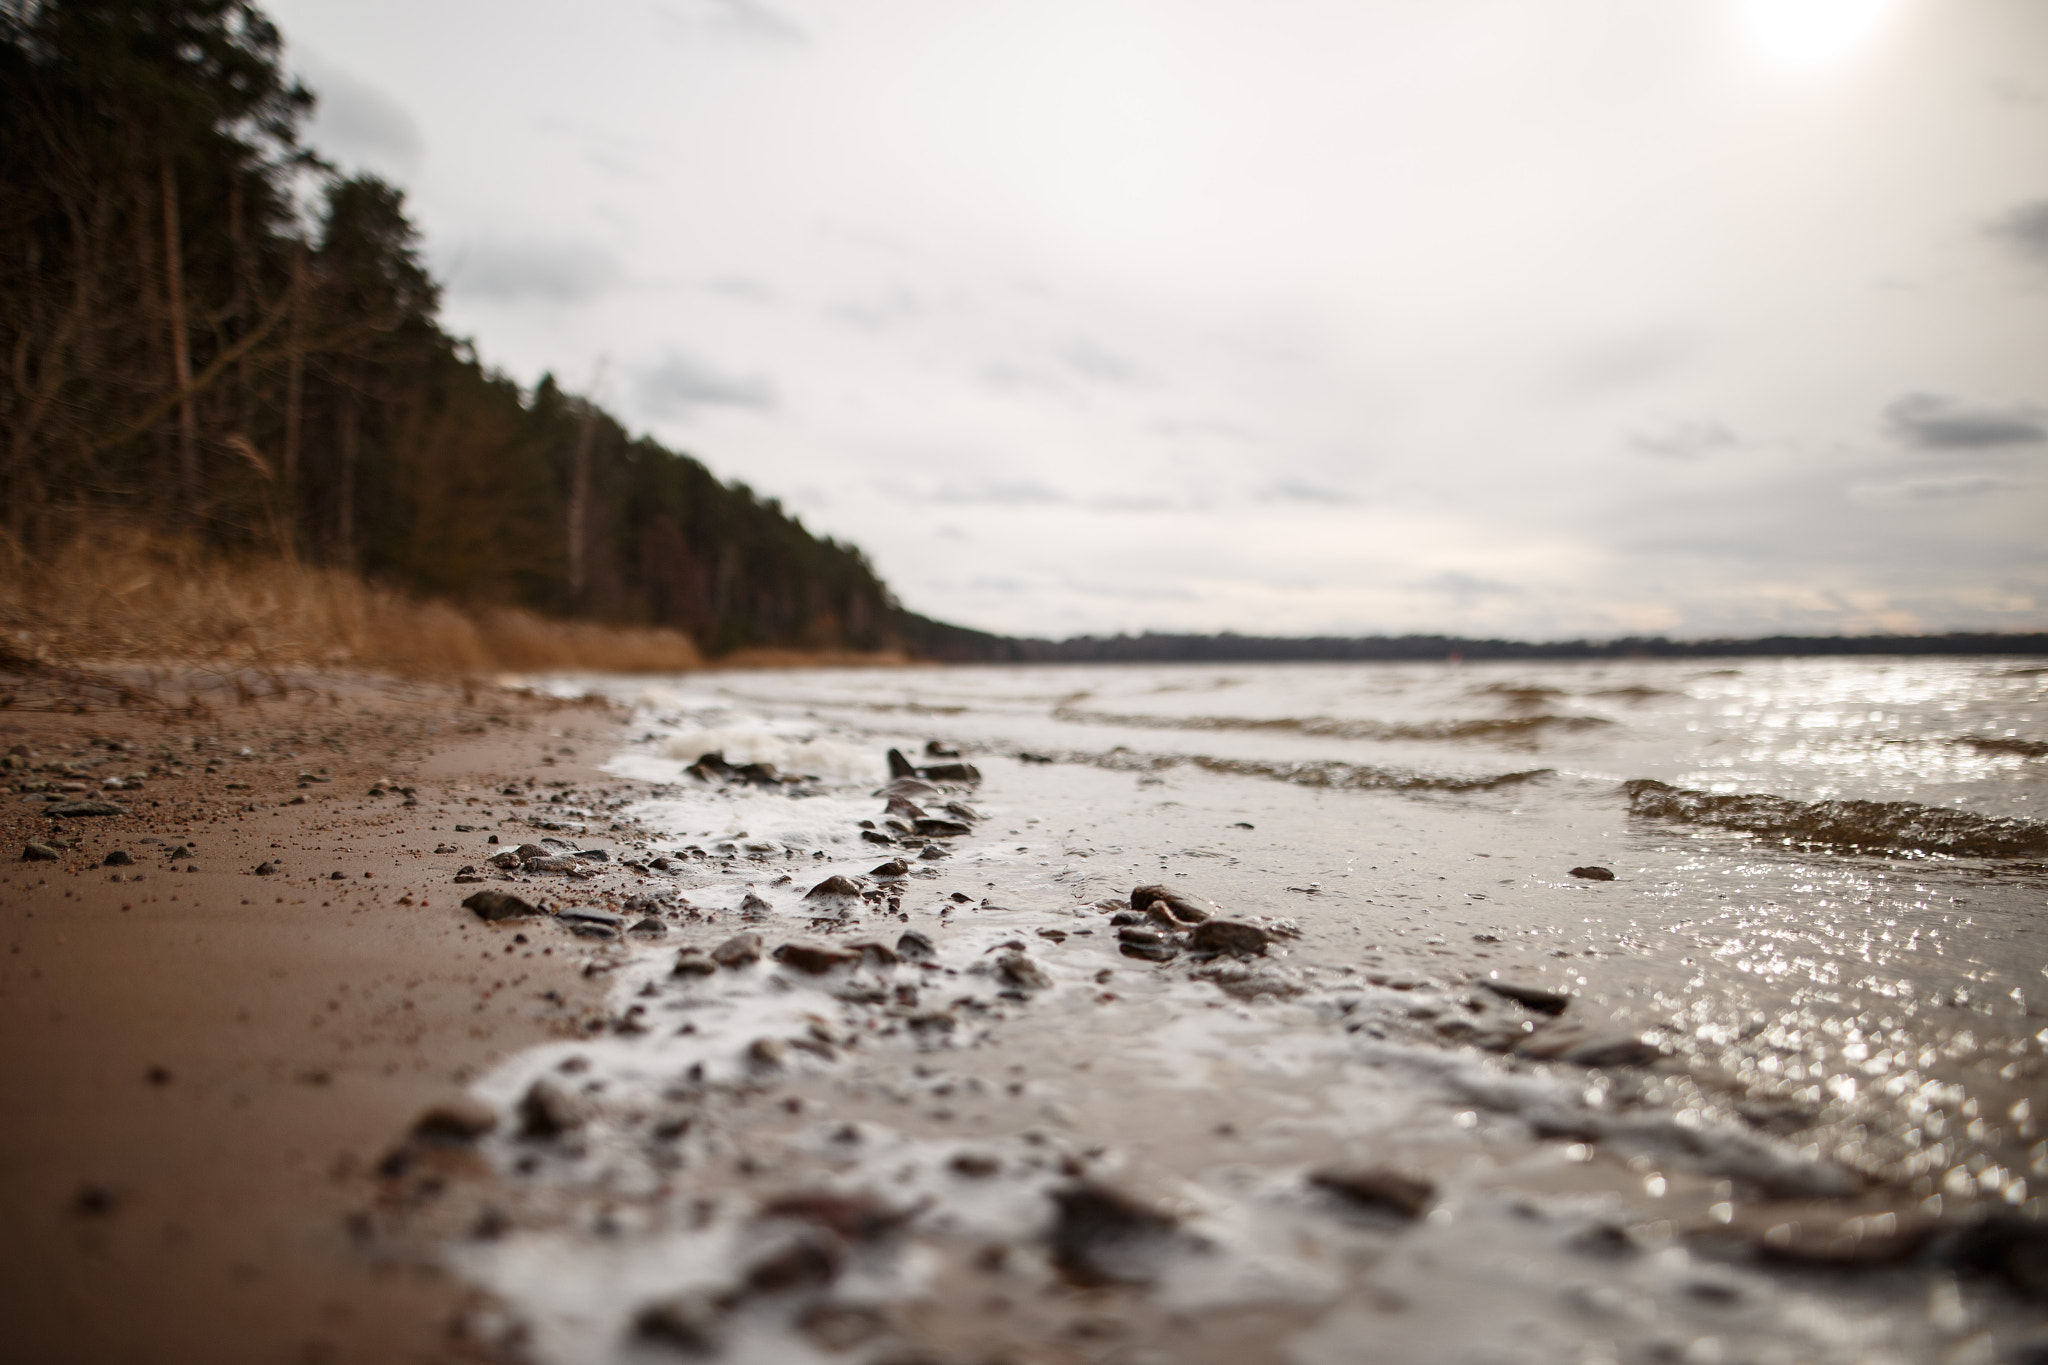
{"x":1297,"y":490}
{"x":1465,"y":587}
{"x":2025,"y":229}
{"x":1629,"y":362}
{"x":996,"y":493}
{"x":1954,"y":488}
{"x":355,"y":122}
{"x":564,"y":271}
{"x":1090,"y":361}
{"x":1935,"y":421}
{"x":744,"y":287}
{"x":899,"y":305}
{"x":681,"y":382}
{"x":1685,"y":440}
{"x":748,"y":19}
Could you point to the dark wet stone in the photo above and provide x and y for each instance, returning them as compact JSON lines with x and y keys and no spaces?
{"x":932,"y":828}
{"x":548,"y":1110}
{"x":36,"y":851}
{"x":1586,"y":1045}
{"x":180,"y":852}
{"x":1179,"y":907}
{"x":933,"y":853}
{"x":1155,"y":949}
{"x":807,"y":1263}
{"x":1140,"y":933}
{"x":895,"y":867}
{"x":649,"y":926}
{"x":975,"y":1165}
{"x":951,"y":772}
{"x":689,"y":1323}
{"x":693,"y":962}
{"x":554,"y":862}
{"x":461,"y":1119}
{"x":758,"y":775}
{"x":813,"y":958}
{"x":875,"y":836}
{"x":875,"y":955}
{"x":266,"y":869}
{"x":1016,"y":969}
{"x":1384,"y":1189}
{"x":2004,"y":1246}
{"x":1603,"y":1238}
{"x":854,"y":1217}
{"x":934,"y":749}
{"x":916,"y":947}
{"x":832,"y":887}
{"x":1594,"y":874}
{"x":1230,"y":936}
{"x":740,"y":950}
{"x":1818,"y":1234}
{"x":767,"y":1054}
{"x":595,"y":918}
{"x":899,"y":766}
{"x":840,"y":1326}
{"x":526,"y":851}
{"x":1539,"y":998}
{"x":754,"y":906}
{"x":83,"y":808}
{"x":496,"y":905}
{"x":507,"y":860}
{"x":94,"y":1201}
{"x":1102,"y":1236}
{"x":593,"y":855}
{"x":118,"y":858}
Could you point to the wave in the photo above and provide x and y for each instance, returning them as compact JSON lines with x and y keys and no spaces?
{"x":1510,"y":729}
{"x":1887,"y":826}
{"x":2002,"y":744}
{"x":1337,"y":776}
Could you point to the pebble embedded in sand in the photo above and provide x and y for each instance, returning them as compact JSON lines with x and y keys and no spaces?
{"x":1231,"y":936}
{"x":462,"y":1118}
{"x":1388,"y":1189}
{"x":740,"y":950}
{"x":497,"y":905}
{"x":1594,"y":874}
{"x":1539,"y":998}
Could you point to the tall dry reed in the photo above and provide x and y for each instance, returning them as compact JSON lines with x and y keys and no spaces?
{"x":119,"y":592}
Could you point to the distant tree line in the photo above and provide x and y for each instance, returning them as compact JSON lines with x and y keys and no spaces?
{"x":937,"y":640}
{"x":203,"y":326}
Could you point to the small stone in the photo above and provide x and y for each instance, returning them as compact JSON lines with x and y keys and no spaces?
{"x":1811,"y":1233}
{"x":899,"y":766}
{"x":1586,"y":1045}
{"x":767,"y":1054}
{"x":1384,"y":1189}
{"x":688,"y":1323}
{"x":841,"y":1327}
{"x":932,"y":828}
{"x":1230,"y":936}
{"x":693,"y":962}
{"x":1102,"y":1236}
{"x":754,"y":906}
{"x":1178,"y":906}
{"x":2005,"y":1246}
{"x":951,"y":772}
{"x":895,"y":867}
{"x":36,"y":851}
{"x":266,"y":869}
{"x":741,"y":950}
{"x":932,"y":853}
{"x":649,"y":926}
{"x":1150,"y":949}
{"x":975,"y":1165}
{"x":118,"y":858}
{"x":1594,"y":874}
{"x":916,"y":947}
{"x":813,"y":958}
{"x":809,"y":1262}
{"x":832,"y":888}
{"x":1019,"y":971}
{"x":461,"y":1119}
{"x":496,"y":905}
{"x":72,"y":809}
{"x":1539,"y":998}
{"x":179,"y":853}
{"x":594,"y":855}
{"x":548,"y":1110}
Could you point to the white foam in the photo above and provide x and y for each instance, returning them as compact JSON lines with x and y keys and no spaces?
{"x":805,"y":757}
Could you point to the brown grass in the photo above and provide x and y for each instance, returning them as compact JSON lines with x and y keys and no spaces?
{"x":119,"y":593}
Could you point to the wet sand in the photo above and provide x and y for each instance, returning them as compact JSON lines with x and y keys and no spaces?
{"x":203,"y":1068}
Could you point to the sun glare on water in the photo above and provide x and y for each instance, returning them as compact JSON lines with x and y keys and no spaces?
{"x":1807,"y":31}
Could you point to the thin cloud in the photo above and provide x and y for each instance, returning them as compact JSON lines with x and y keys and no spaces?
{"x":2025,"y":230}
{"x":1090,"y":361}
{"x":503,"y":271}
{"x":748,"y":19}
{"x":1686,"y":440}
{"x":355,"y":122}
{"x":1935,"y":421}
{"x":1297,"y":490}
{"x":680,"y":383}
{"x":995,"y":493}
{"x":1465,"y":587}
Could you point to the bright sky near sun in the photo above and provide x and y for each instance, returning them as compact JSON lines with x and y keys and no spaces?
{"x":1532,"y":317}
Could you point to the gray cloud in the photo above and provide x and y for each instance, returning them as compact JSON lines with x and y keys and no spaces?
{"x":1465,"y":587}
{"x":1628,"y":362}
{"x":2025,"y":229}
{"x":355,"y":122}
{"x":741,"y":287}
{"x":899,"y":305}
{"x":1297,"y":490}
{"x":681,"y":382}
{"x":1938,"y":490}
{"x":750,"y":19}
{"x":1090,"y":361}
{"x":546,"y":271}
{"x":1935,"y":421}
{"x":998,"y":493}
{"x":1687,"y":440}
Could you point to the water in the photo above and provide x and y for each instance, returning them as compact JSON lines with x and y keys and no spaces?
{"x":1817,"y":1021}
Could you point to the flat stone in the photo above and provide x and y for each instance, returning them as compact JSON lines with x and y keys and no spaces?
{"x":1385,"y":1189}
{"x":498,"y":905}
{"x":1539,"y":998}
{"x":1016,"y":969}
{"x":649,"y":925}
{"x":1588,"y":1045}
{"x":833,"y":887}
{"x":36,"y":851}
{"x":1102,"y":1236}
{"x":813,"y":958}
{"x":740,"y":950}
{"x":916,"y":947}
{"x":1230,"y":936}
{"x":1594,"y":874}
{"x":84,"y":808}
{"x":951,"y":772}
{"x":932,"y":828}
{"x":693,"y":962}
{"x":118,"y":858}
{"x":1179,"y":907}
{"x":463,"y":1118}
{"x":895,"y":867}
{"x":1821,"y":1234}
{"x":548,"y":1110}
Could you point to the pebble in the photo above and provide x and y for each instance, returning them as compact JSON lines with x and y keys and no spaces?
{"x":689,"y":1323}
{"x":1817,"y":1234}
{"x":1594,"y":874}
{"x":649,"y":925}
{"x":118,"y":858}
{"x":932,"y":828}
{"x":895,"y":867}
{"x":548,"y":1110}
{"x":1587,"y":1045}
{"x":1178,"y":906}
{"x":1387,"y":1189}
{"x":1230,"y":936}
{"x":951,"y":772}
{"x":36,"y":851}
{"x":916,"y":947}
{"x":82,"y":808}
{"x":266,"y":869}
{"x":496,"y":905}
{"x":693,"y":962}
{"x":741,"y":950}
{"x":1020,"y":971}
{"x":832,"y":886}
{"x":463,"y":1118}
{"x":1101,"y":1236}
{"x":813,"y":958}
{"x":1539,"y":998}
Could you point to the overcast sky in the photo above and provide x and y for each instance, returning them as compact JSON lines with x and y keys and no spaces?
{"x":1538,"y":317}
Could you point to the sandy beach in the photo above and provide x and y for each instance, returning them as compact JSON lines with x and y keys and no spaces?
{"x":205,"y":1064}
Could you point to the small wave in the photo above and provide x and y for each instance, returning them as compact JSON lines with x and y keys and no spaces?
{"x":811,"y":758}
{"x":1890,"y":826}
{"x":2001,"y":744}
{"x":1500,"y":729}
{"x":1338,"y":776}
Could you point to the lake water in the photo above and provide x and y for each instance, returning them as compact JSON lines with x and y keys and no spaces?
{"x":1788,"y":1110}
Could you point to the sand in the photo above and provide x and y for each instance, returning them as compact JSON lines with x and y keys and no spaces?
{"x":203,"y":1067}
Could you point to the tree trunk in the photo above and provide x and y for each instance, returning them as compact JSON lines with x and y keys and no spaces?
{"x":579,"y":509}
{"x":295,"y":380}
{"x":345,"y":499}
{"x":181,"y":349}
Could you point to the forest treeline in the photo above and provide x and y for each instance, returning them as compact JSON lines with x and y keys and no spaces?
{"x":207,"y":329}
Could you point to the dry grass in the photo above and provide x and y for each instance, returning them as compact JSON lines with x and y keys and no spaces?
{"x":118,"y":593}
{"x":812,"y":658}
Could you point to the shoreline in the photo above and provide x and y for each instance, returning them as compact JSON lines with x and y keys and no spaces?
{"x":205,"y":1067}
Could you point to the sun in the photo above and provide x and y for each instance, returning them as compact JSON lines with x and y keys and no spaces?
{"x":1807,"y":31}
